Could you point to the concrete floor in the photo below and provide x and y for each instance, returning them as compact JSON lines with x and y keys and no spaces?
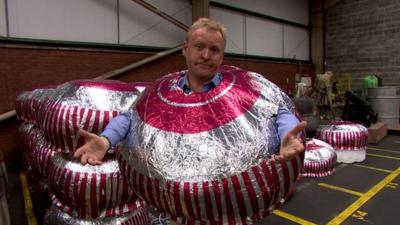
{"x":360,"y":193}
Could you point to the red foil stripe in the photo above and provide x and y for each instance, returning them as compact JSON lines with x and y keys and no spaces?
{"x":196,"y":199}
{"x":60,"y":127}
{"x":103,"y":189}
{"x":177,"y":200}
{"x":263,"y":188}
{"x":149,"y":189}
{"x":228,"y":202}
{"x":272,"y":181}
{"x":251,"y":193}
{"x":169,"y":203}
{"x":218,"y":198}
{"x":161,"y":202}
{"x":93,"y":196}
{"x":207,"y":201}
{"x":239,"y":196}
{"x":82,"y":195}
{"x":188,"y":199}
{"x":286,"y":177}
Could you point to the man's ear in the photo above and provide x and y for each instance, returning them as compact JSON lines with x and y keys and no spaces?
{"x":184,"y":47}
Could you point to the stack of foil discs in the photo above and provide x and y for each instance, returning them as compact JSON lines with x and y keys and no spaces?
{"x":79,"y":194}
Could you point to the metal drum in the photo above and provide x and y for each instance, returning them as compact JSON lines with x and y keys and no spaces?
{"x":386,"y":102}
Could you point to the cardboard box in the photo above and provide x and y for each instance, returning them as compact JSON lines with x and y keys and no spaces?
{"x":376,"y":132}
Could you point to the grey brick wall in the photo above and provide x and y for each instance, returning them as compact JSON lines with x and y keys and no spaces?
{"x":363,"y":37}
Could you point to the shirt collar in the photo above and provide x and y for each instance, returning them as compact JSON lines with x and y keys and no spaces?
{"x":183,"y":83}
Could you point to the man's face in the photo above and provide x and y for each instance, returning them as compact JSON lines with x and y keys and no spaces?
{"x":204,"y":52}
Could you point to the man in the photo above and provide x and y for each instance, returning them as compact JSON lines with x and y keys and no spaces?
{"x":204,"y":52}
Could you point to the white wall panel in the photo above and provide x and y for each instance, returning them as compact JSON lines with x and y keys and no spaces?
{"x":291,"y":10}
{"x":264,"y":37}
{"x":70,"y":20}
{"x":139,"y":26}
{"x":91,"y":20}
{"x":235,"y":25}
{"x":3,"y":24}
{"x":296,"y":43}
{"x":36,"y":19}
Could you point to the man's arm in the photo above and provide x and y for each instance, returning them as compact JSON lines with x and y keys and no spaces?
{"x":286,"y":121}
{"x":95,"y":147}
{"x":288,"y":130}
{"x":118,"y":128}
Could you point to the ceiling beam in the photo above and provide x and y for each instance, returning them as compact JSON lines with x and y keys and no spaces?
{"x":200,"y":9}
{"x":162,"y":14}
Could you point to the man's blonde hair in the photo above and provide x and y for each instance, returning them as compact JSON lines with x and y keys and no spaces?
{"x":208,"y":23}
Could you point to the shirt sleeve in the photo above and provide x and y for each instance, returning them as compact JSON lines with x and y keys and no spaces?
{"x":117,"y":128}
{"x":285,"y":120}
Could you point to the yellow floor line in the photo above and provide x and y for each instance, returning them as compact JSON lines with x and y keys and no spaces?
{"x":384,"y":150}
{"x":30,"y":216}
{"x":368,"y":195}
{"x":373,"y":168}
{"x":341,"y":189}
{"x":383,"y":156}
{"x":292,"y":217}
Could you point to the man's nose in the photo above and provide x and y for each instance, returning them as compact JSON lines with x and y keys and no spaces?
{"x":205,"y":53}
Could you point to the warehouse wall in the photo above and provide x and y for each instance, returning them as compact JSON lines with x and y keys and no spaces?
{"x":25,"y":68}
{"x":362,"y":38}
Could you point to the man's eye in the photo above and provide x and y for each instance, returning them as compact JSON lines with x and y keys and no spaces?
{"x":198,"y":46}
{"x":215,"y":50}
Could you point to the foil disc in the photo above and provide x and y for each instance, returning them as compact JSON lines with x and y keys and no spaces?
{"x":344,"y":135}
{"x":55,"y":216}
{"x":209,"y":157}
{"x":319,"y":159}
{"x":87,"y":104}
{"x":86,"y":191}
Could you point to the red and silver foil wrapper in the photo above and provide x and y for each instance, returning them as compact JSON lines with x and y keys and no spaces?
{"x":350,"y":140}
{"x":37,"y":152}
{"x":319,"y":159}
{"x":55,"y":216}
{"x":86,"y":191}
{"x":28,"y":104}
{"x":28,"y":135}
{"x":85,"y":104}
{"x":35,"y":160}
{"x":209,"y":158}
{"x":37,"y":184}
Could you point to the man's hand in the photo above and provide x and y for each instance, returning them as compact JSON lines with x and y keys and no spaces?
{"x":291,"y":144}
{"x":94,"y":149}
